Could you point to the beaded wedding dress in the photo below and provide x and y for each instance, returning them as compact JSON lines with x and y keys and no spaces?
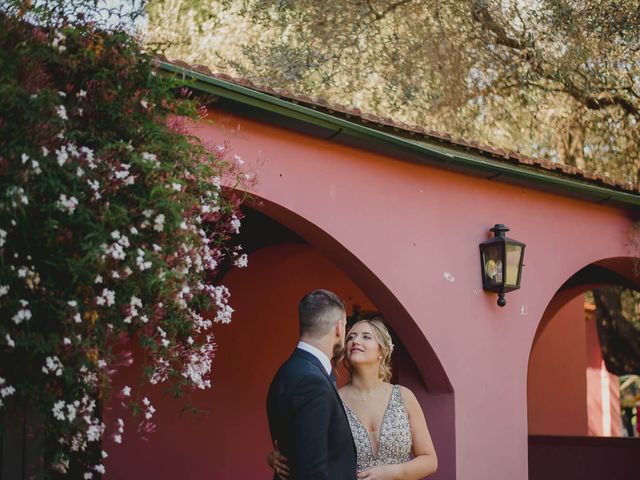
{"x":393,"y":442}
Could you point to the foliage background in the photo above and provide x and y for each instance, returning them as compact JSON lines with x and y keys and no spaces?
{"x":113,"y":226}
{"x":550,"y":78}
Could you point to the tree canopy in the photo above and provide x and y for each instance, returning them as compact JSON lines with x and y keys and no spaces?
{"x":550,"y":78}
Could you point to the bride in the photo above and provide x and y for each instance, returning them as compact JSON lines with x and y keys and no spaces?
{"x":388,"y":427}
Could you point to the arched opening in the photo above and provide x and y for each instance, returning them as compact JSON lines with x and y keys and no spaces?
{"x":288,"y":256}
{"x":573,"y":401}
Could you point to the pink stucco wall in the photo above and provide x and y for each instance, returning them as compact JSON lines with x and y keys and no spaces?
{"x":557,"y":382}
{"x":407,"y":235}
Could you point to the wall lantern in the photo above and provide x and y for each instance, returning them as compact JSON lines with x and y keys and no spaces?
{"x":501,"y":259}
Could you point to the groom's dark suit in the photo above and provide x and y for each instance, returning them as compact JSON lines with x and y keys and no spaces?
{"x":308,"y":420}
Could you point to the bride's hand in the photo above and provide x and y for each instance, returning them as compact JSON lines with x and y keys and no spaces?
{"x":382,"y":472}
{"x":278,"y":462}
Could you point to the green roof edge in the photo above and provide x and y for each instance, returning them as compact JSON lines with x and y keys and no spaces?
{"x":492,"y":168}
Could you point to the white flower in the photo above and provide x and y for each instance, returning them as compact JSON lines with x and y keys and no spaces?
{"x":72,"y":411}
{"x":149,"y":410}
{"x":89,"y":156}
{"x":23,"y":314}
{"x":98,"y":279}
{"x":107,"y":297}
{"x":126,"y":391}
{"x":3,"y":240}
{"x":238,"y":159}
{"x":67,"y":204}
{"x":77,"y":318}
{"x":176,"y":186}
{"x":7,"y":391}
{"x":100,"y":469}
{"x":14,"y":192}
{"x":72,"y":303}
{"x":62,"y":112}
{"x":183,"y":225}
{"x":66,"y":341}
{"x":199,"y":366}
{"x":116,"y":250}
{"x":158,"y":223}
{"x":144,"y":103}
{"x":62,"y":155}
{"x":117,"y":438}
{"x":9,"y":340}
{"x":45,"y":151}
{"x":79,"y":172}
{"x":81,"y":94}
{"x":58,"y":410}
{"x":36,"y":167}
{"x":53,"y":365}
{"x":242,"y":261}
{"x":140,"y":262}
{"x":121,"y":174}
{"x":25,"y":158}
{"x":235,"y":224}
{"x":87,"y":476}
{"x":95,"y":186}
{"x":133,"y":231}
{"x":151,"y":158}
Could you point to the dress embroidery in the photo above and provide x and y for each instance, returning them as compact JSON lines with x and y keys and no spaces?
{"x":394,"y":443}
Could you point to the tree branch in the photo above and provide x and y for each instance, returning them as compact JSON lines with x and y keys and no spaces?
{"x":480,"y":13}
{"x":386,"y":11}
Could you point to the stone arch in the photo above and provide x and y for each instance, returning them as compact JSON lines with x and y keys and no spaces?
{"x":230,"y":439}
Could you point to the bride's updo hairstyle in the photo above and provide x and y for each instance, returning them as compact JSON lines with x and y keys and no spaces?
{"x":382,"y":336}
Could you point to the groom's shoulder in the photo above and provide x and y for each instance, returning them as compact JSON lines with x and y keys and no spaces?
{"x":299,"y":364}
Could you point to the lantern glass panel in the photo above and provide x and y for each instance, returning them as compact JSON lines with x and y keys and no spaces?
{"x":514,"y":255}
{"x":493,"y":265}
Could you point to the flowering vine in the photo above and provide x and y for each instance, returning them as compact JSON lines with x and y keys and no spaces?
{"x":113,"y":224}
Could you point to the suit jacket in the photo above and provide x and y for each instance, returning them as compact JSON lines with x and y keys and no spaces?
{"x":307,"y":418}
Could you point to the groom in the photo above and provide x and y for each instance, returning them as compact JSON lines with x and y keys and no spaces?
{"x":306,"y":416}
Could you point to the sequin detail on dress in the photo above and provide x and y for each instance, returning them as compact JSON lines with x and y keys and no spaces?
{"x":395,"y":435}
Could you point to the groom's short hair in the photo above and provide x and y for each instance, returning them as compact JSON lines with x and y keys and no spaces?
{"x":318,"y":311}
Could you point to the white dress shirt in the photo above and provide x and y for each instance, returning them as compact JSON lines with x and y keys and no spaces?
{"x":319,"y":354}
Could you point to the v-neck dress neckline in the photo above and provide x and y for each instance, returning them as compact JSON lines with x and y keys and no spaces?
{"x":394,"y":435}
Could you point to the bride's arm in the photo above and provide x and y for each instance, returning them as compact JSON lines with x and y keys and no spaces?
{"x":425,"y":461}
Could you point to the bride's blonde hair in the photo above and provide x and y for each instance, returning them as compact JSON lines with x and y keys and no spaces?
{"x":382,"y":336}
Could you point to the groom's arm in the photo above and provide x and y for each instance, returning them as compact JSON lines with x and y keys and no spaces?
{"x":312,"y":406}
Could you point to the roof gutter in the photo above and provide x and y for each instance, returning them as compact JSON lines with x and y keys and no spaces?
{"x":431,"y":153}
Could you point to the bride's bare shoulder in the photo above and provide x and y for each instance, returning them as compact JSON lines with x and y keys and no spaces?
{"x":408,"y":396}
